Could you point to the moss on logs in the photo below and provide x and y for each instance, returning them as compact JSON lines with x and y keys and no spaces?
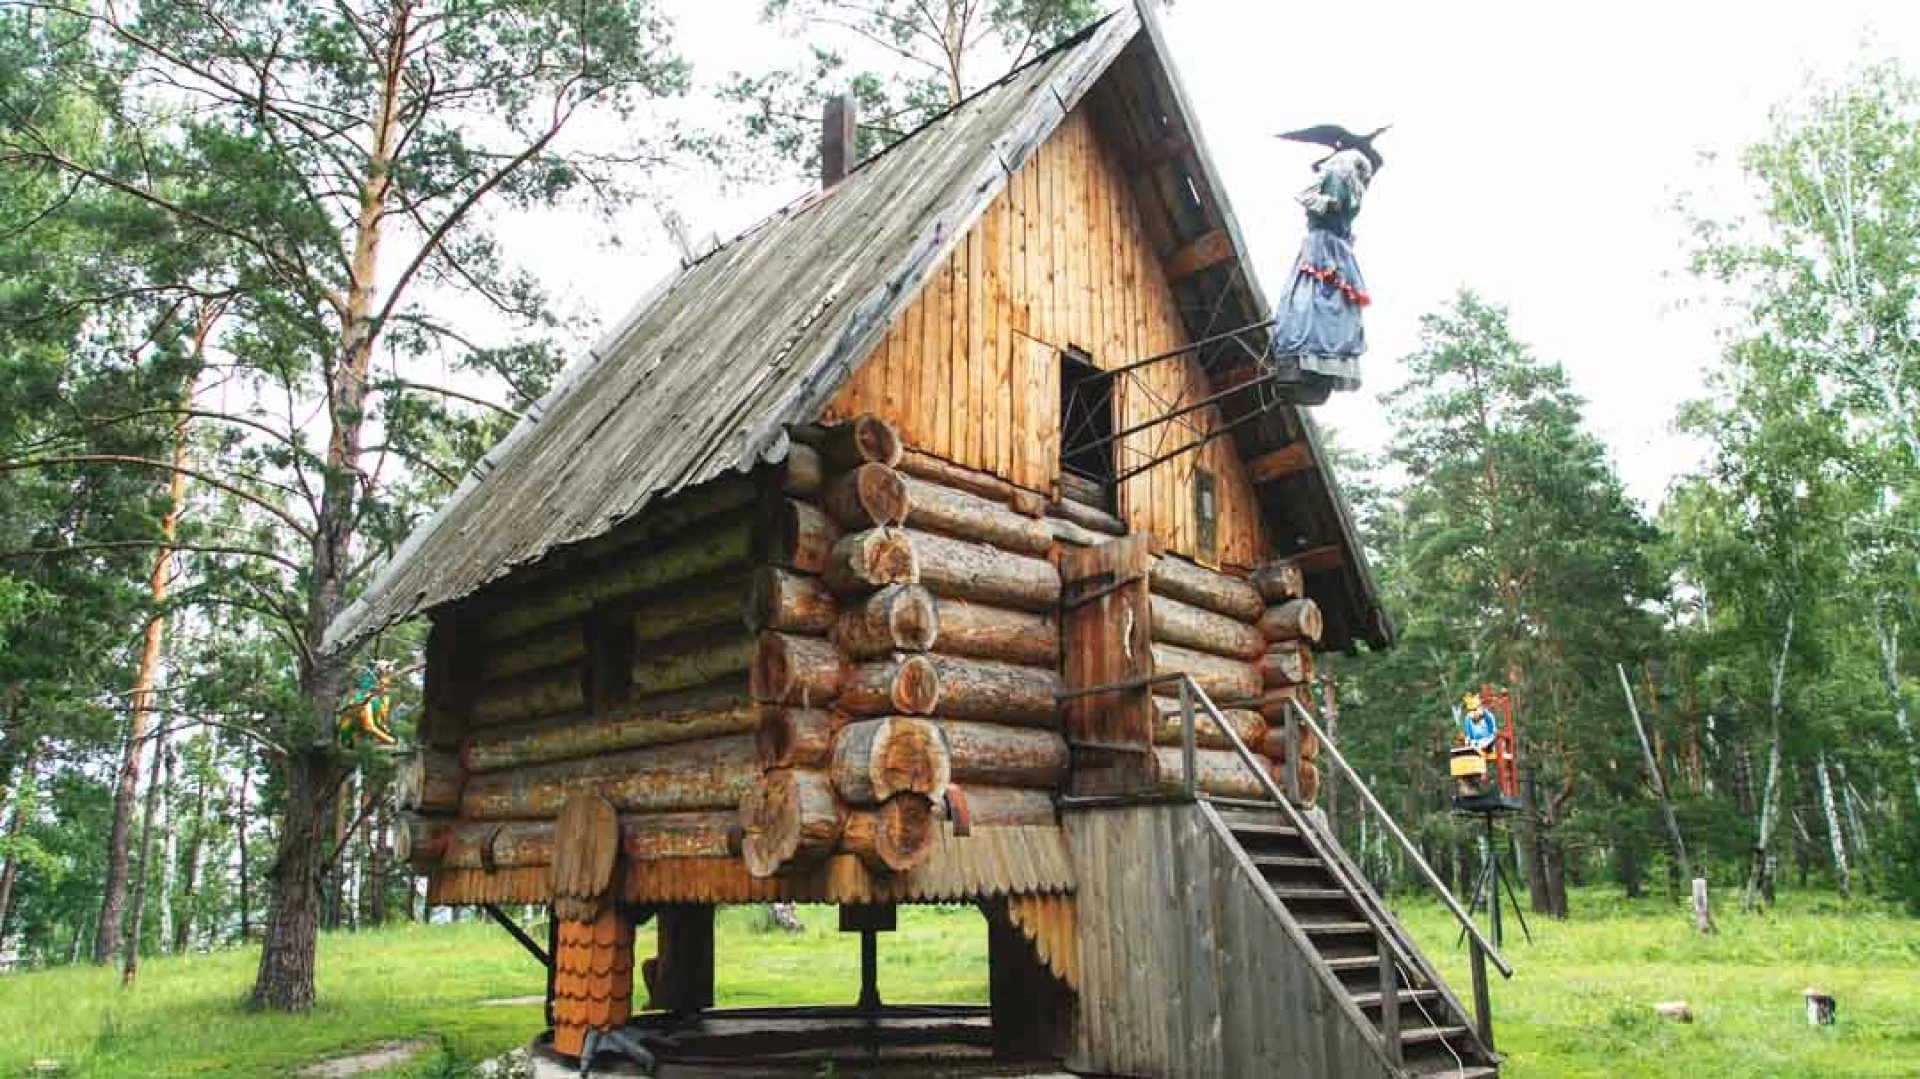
{"x":891,"y":685}
{"x":1198,"y":628}
{"x":996,"y":755}
{"x":1248,"y":724}
{"x":1298,"y":619}
{"x":1219,"y":771}
{"x":704,"y":605}
{"x":790,"y":669}
{"x":958,"y":569}
{"x":1286,"y":664}
{"x":711,"y":773}
{"x":898,"y":618}
{"x":1279,"y":582}
{"x":429,"y":780}
{"x":865,"y":561}
{"x":875,"y":759}
{"x":801,"y":537}
{"x":1206,"y":588}
{"x":936,"y":508}
{"x":692,"y":661}
{"x":981,"y":631}
{"x":540,"y":695}
{"x":790,"y":602}
{"x":870,"y":496}
{"x":796,"y":737}
{"x":997,"y":692}
{"x":895,"y":837}
{"x":998,"y":807}
{"x":559,"y":646}
{"x":1222,"y":679}
{"x":788,"y":816}
{"x":663,"y":521}
{"x":714,"y":710}
{"x":727,"y":545}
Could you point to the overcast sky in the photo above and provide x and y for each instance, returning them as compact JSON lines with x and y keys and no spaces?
{"x":1537,"y":153}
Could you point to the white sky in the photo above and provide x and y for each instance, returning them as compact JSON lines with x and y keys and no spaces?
{"x":1537,"y":153}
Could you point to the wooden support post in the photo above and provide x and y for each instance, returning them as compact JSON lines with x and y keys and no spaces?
{"x":1390,"y":1003}
{"x":680,"y":976}
{"x":1032,"y":1009}
{"x":869,"y":920}
{"x":1482,"y":1002}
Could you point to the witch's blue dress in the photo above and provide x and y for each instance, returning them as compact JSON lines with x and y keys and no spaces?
{"x":1317,"y":327}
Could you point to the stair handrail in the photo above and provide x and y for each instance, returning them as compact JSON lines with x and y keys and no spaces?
{"x":1191,"y":691}
{"x":1386,"y":821}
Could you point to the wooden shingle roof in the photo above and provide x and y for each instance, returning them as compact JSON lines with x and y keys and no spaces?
{"x":704,"y":376}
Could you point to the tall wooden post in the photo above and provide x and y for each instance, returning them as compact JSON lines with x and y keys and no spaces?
{"x":680,"y":975}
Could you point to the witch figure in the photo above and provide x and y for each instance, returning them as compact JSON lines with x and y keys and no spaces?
{"x":1318,"y":334}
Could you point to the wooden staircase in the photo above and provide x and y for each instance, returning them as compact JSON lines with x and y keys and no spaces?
{"x":1435,"y":1034}
{"x":1222,"y":937}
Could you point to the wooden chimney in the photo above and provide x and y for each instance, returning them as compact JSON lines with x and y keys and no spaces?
{"x":837,"y":129}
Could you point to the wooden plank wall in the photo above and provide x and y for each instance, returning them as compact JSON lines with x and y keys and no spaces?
{"x":1186,"y":968}
{"x":1062,"y":258}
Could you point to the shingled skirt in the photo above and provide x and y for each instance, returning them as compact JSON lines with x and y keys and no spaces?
{"x":1317,"y":324}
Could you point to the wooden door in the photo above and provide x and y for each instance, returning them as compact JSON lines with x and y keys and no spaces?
{"x":1106,"y":639}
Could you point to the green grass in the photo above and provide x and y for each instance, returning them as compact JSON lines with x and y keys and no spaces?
{"x":1579,"y":1007}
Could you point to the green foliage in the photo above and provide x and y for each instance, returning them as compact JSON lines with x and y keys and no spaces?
{"x":904,"y":62}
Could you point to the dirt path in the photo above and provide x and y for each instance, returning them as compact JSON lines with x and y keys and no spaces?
{"x":384,"y":1055}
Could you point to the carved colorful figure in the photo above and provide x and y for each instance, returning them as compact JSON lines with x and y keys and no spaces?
{"x":366,"y":710}
{"x":1478,"y":725}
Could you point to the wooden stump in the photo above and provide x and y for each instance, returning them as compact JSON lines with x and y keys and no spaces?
{"x":898,"y":618}
{"x":875,"y":759}
{"x":789,"y":816}
{"x":893,"y":685}
{"x":894,"y":837}
{"x":789,"y":669}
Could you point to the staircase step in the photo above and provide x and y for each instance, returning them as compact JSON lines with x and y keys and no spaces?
{"x":1424,"y":1035}
{"x":1262,"y":830}
{"x":1352,"y":962}
{"x":1447,"y":1069}
{"x":1335,"y":929}
{"x":1372,"y":999}
{"x":1287,"y":861}
{"x":1296,"y":893}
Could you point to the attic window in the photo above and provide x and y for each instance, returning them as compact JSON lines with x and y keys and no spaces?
{"x":1206,"y":517}
{"x":1086,"y":429}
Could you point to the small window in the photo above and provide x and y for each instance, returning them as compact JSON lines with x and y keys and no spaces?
{"x":1206,"y":517}
{"x":1086,"y":426}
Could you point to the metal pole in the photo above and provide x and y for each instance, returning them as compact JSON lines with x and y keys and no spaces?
{"x":1328,"y":750}
{"x":1167,"y":416}
{"x":1181,"y":351}
{"x":1493,"y":867}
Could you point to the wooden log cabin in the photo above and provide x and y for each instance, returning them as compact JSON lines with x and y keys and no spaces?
{"x":866,"y":563}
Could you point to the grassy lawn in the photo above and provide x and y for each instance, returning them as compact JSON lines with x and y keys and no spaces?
{"x":1579,"y":1006}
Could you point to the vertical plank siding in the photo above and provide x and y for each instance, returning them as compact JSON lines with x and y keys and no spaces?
{"x":1062,"y":258}
{"x":1186,"y":967}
